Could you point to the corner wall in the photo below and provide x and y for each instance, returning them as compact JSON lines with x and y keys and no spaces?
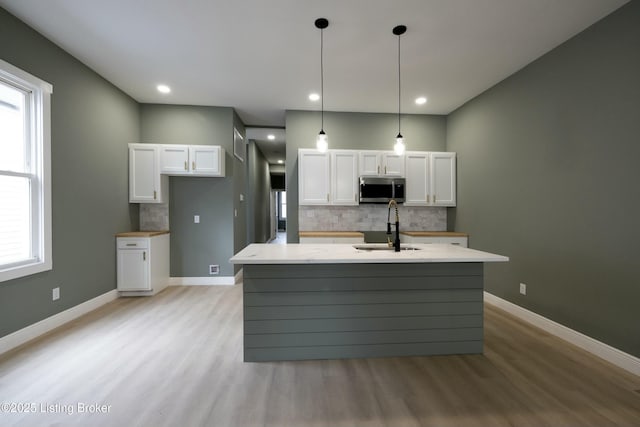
{"x":548,"y":175}
{"x":92,"y":122}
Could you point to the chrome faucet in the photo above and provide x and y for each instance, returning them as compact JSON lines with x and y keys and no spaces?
{"x":396,"y":241}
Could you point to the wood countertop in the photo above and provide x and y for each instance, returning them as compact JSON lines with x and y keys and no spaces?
{"x":331,"y":234}
{"x":434,"y":234}
{"x":142,"y":233}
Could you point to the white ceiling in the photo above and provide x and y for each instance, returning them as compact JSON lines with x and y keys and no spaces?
{"x":263,"y":57}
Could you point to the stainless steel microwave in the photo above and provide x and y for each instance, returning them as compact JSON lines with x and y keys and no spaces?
{"x":381,"y":190}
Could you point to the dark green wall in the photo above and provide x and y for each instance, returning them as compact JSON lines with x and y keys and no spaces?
{"x":358,"y":131}
{"x":259,"y":188}
{"x":195,"y":246}
{"x":548,"y":175}
{"x":91,"y":123}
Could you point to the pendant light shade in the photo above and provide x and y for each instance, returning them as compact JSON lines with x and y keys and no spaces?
{"x":399,"y":146}
{"x":322,"y":140}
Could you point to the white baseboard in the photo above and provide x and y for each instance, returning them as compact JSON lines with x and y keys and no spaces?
{"x":593,"y":346}
{"x":202,"y":281}
{"x":24,"y":335}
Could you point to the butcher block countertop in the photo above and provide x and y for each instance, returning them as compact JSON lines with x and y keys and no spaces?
{"x":331,"y":234}
{"x":142,"y":233}
{"x":434,"y":234}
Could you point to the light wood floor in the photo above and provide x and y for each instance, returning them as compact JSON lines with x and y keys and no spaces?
{"x":176,"y":360}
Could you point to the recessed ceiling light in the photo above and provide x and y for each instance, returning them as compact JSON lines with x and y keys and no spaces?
{"x":314,"y":97}
{"x":163,"y":88}
{"x":271,"y":137}
{"x":421,"y":100}
{"x":280,"y":161}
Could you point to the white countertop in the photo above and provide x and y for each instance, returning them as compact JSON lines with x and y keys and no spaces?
{"x":294,"y":253}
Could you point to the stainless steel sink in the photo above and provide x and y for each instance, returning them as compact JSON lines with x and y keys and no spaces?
{"x":382,"y":247}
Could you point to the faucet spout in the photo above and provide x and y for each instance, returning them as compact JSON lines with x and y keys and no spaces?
{"x":396,"y":241}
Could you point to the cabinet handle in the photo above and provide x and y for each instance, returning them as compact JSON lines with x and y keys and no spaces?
{"x":186,"y":165}
{"x":144,"y":255}
{"x":434,"y":198}
{"x":132,"y":244}
{"x":385,"y":170}
{"x":193,"y":165}
{"x":427,"y":198}
{"x":155,"y":195}
{"x":378,"y":169}
{"x":327,"y":197}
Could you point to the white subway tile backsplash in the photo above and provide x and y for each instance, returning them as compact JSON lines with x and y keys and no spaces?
{"x":154,"y":216}
{"x":370,"y":217}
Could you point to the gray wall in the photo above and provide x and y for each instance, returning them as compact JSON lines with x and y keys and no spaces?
{"x":359,"y":131}
{"x":548,"y":175}
{"x":259,"y":189}
{"x":92,"y":122}
{"x":195,"y":246}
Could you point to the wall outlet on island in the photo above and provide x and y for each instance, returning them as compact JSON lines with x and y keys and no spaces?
{"x":214,"y":269}
{"x":55,"y":294}
{"x":523,"y":288}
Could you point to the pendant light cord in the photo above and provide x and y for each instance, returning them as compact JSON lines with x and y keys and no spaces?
{"x":398,"y":84}
{"x":321,"y":81}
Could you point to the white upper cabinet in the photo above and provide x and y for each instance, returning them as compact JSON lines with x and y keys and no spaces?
{"x":443,"y":178}
{"x":207,"y":160}
{"x":203,"y":160}
{"x":344,"y":177}
{"x":174,"y":159}
{"x":431,"y":179}
{"x":146,"y":185}
{"x":329,"y":178}
{"x":417,"y":178}
{"x":313,"y":177}
{"x":381,"y":163}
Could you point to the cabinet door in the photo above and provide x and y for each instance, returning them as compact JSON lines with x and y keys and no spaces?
{"x":313,"y":177}
{"x":417,"y":179}
{"x":393,"y":164}
{"x":144,"y":174}
{"x":206,"y":160}
{"x":344,"y":177}
{"x":133,"y":270}
{"x":174,"y":159}
{"x":443,"y":179}
{"x":369,"y":163}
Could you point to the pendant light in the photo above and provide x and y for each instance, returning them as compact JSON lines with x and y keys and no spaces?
{"x":322,"y":141}
{"x":399,"y":145}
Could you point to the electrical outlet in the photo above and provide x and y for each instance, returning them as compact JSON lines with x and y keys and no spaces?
{"x":523,"y":288}
{"x":214,"y":269}
{"x":55,"y":294}
{"x":196,"y":219}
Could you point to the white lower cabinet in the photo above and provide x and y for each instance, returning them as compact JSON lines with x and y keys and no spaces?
{"x":142,"y":264}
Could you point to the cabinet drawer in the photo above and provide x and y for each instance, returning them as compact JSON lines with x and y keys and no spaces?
{"x":132,"y":243}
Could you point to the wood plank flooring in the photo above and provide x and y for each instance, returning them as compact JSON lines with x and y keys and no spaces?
{"x":176,"y":360}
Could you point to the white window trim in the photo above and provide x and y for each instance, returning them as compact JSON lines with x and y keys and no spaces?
{"x":42,"y":131}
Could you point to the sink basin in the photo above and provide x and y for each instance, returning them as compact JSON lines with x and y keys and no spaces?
{"x":382,"y":247}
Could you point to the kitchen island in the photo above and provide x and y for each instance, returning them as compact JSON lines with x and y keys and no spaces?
{"x":331,"y":301}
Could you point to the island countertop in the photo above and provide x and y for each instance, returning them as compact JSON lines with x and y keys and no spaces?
{"x":292,"y":253}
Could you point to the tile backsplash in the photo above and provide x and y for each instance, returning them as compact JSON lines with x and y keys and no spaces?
{"x":154,"y":216}
{"x":370,"y":217}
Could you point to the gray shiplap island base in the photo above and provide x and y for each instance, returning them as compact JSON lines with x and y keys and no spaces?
{"x":368,"y":305}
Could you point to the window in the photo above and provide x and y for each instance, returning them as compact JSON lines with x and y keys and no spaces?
{"x":25,"y":173}
{"x":283,"y":205}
